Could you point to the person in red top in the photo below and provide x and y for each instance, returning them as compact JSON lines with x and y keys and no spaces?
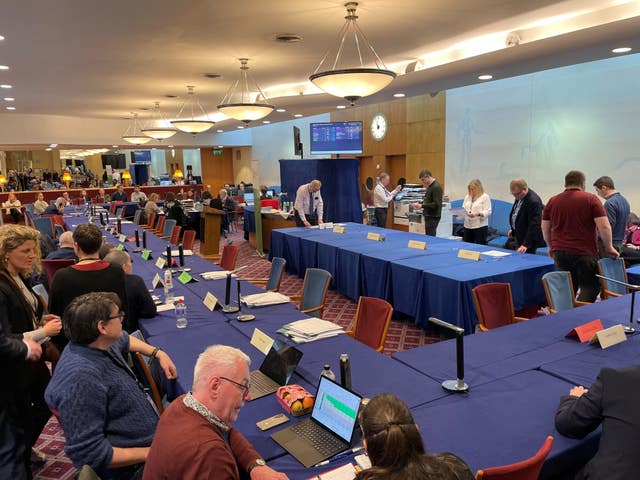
{"x":571,"y":221}
{"x":194,"y":440}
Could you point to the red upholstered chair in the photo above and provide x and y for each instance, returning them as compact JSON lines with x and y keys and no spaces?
{"x":112,"y":207}
{"x":150,"y":221}
{"x":371,"y":323}
{"x":159,"y":230}
{"x":494,"y":305}
{"x":188,"y":238}
{"x":229,"y":257}
{"x":528,"y":469}
{"x":52,"y":266}
{"x":175,"y":235}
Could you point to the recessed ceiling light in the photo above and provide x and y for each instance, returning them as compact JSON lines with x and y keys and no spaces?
{"x":4,"y":85}
{"x":298,"y":115}
{"x":340,"y":107}
{"x":485,"y":77}
{"x":169,"y":95}
{"x":212,"y":75}
{"x":11,"y":108}
{"x":1,"y":38}
{"x":220,"y":146}
{"x":114,"y":146}
{"x":8,"y":99}
{"x":621,"y":50}
{"x":399,"y":95}
{"x":219,"y":131}
{"x":53,"y":145}
{"x":169,"y":146}
{"x":288,"y":37}
{"x":48,"y":149}
{"x":266,"y":121}
{"x":4,"y":67}
{"x":240,"y":127}
{"x":281,"y":110}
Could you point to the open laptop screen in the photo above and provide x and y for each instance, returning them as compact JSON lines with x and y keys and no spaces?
{"x":280,"y":362}
{"x":336,"y":408}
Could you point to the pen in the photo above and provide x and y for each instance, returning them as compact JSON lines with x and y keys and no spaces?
{"x":339,"y":456}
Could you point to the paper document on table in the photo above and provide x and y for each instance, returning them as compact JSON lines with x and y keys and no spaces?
{"x":310,"y":329}
{"x":345,"y":472}
{"x":496,"y":253}
{"x":216,"y":275}
{"x":264,"y":299}
{"x":165,"y":307}
{"x":459,"y":212}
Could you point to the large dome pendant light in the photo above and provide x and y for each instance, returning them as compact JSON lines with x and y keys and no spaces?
{"x":355,"y":82}
{"x":192,"y":126}
{"x":238,"y":104}
{"x":131,"y":134}
{"x":158,"y":128}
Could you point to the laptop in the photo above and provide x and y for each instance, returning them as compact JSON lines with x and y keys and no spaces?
{"x":276,"y":369}
{"x":328,"y":431}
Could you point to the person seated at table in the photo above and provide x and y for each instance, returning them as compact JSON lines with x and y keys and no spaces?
{"x":611,"y":402}
{"x":206,"y":197}
{"x":105,"y":249}
{"x":152,"y":205}
{"x":225,"y":203}
{"x":173,"y":210}
{"x":395,"y":448}
{"x":631,"y":243}
{"x":138,"y":195}
{"x":67,"y":199}
{"x":12,"y":206}
{"x":102,"y":196}
{"x":213,"y":448}
{"x":139,"y":301}
{"x":57,"y":208}
{"x":39,"y":206}
{"x":89,"y":274}
{"x":107,"y":417}
{"x":84,"y":197}
{"x":119,"y":195}
{"x":65,"y":248}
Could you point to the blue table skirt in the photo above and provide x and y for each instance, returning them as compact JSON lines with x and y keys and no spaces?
{"x":633,"y":274}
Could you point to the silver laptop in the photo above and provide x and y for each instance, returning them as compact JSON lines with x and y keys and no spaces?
{"x":328,"y":431}
{"x":276,"y":369}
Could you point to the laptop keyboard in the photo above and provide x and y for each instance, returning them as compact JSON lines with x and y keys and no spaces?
{"x":261,"y":383}
{"x":322,"y":440}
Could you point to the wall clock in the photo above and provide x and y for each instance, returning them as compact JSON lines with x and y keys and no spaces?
{"x":378,"y":126}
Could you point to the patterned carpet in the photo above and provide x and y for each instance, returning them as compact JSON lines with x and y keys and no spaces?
{"x":402,"y":335}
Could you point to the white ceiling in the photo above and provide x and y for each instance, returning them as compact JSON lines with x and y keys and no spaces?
{"x":103,"y":59}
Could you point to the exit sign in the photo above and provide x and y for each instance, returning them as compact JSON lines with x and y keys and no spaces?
{"x":217,"y":151}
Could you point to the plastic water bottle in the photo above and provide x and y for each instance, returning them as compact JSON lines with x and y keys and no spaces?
{"x":181,"y":314}
{"x":168,"y":286}
{"x":327,"y":372}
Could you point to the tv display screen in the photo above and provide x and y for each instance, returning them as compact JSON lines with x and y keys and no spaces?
{"x":115,"y":160}
{"x":141,"y":156}
{"x":336,"y":138}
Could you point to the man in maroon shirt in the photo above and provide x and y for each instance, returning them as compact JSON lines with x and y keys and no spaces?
{"x":570,"y":223}
{"x":194,"y":440}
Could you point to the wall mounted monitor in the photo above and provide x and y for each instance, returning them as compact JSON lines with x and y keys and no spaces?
{"x":329,"y":138}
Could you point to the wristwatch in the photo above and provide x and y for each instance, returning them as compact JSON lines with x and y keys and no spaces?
{"x":258,"y":462}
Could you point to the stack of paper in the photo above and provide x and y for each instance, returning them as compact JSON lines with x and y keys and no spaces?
{"x":217,"y":275}
{"x":310,"y":329}
{"x":264,"y":299}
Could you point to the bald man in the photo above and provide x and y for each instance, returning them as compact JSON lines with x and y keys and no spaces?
{"x":65,"y":249}
{"x":309,"y":205}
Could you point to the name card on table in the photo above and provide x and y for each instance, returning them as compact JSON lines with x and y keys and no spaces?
{"x":468,"y":254}
{"x":210,"y":301}
{"x":261,"y":341}
{"x":146,"y":254}
{"x":120,"y":247}
{"x":185,"y":277}
{"x":157,"y":282}
{"x":338,"y":229}
{"x":587,"y":331}
{"x":417,"y":244}
{"x":609,"y":336}
{"x":160,"y":263}
{"x":122,"y":238}
{"x":378,"y":237}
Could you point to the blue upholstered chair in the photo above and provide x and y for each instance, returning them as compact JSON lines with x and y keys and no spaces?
{"x":314,"y":291}
{"x":149,"y":374}
{"x":272,"y":283}
{"x":610,"y":268}
{"x":40,"y":290}
{"x":559,"y":290}
{"x":168,"y":228}
{"x":44,"y":225}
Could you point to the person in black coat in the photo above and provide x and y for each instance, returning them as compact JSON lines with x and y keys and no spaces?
{"x":525,"y":219}
{"x":612,"y":401}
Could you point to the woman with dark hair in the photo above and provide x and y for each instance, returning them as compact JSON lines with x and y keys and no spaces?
{"x":395,"y":448}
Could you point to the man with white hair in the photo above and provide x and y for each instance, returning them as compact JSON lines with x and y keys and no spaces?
{"x":213,"y":449}
{"x":309,"y":205}
{"x":65,"y":248}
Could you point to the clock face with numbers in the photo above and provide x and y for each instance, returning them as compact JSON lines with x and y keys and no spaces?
{"x":378,"y":126}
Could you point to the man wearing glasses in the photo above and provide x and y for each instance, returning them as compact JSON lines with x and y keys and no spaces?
{"x":107,"y":417}
{"x":212,"y":449}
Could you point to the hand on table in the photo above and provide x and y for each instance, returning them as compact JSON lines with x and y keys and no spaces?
{"x":267,"y":473}
{"x":306,"y":223}
{"x":578,"y":391}
{"x":521,"y":249}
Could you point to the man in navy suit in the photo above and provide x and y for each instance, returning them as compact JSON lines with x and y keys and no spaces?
{"x":525,"y":219}
{"x":612,"y":401}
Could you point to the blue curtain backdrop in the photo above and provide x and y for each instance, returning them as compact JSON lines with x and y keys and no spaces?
{"x":340,"y":189}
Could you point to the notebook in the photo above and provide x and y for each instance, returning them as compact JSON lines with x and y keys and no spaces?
{"x":276,"y":369}
{"x":328,"y":431}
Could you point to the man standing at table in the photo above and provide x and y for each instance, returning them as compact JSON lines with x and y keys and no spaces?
{"x":194,"y":439}
{"x":432,"y":202}
{"x":525,"y":218}
{"x":309,"y":205}
{"x":382,"y":197}
{"x":569,"y":224}
{"x":617,"y":208}
{"x":611,"y":402}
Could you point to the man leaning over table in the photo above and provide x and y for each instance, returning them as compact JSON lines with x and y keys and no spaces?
{"x":194,"y":439}
{"x":309,"y":205}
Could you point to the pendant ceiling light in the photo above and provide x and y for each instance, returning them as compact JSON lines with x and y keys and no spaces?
{"x":133,"y":135}
{"x":237,"y":102}
{"x":354,"y":82}
{"x":190,"y":124}
{"x":159,"y":126}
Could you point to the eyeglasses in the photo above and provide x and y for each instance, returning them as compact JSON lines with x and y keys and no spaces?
{"x":242,"y":386}
{"x":120,"y":315}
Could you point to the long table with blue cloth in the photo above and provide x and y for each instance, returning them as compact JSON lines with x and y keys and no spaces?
{"x":419,"y":283}
{"x":516,"y":373}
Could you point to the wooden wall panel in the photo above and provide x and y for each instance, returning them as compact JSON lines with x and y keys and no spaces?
{"x":216,"y":169}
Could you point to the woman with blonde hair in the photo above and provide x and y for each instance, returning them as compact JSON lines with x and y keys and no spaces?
{"x":477,"y":206}
{"x":152,"y":205}
{"x":22,"y":310}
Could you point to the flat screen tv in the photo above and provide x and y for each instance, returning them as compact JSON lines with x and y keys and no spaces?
{"x":336,"y":138}
{"x":115,"y":160}
{"x":141,"y":156}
